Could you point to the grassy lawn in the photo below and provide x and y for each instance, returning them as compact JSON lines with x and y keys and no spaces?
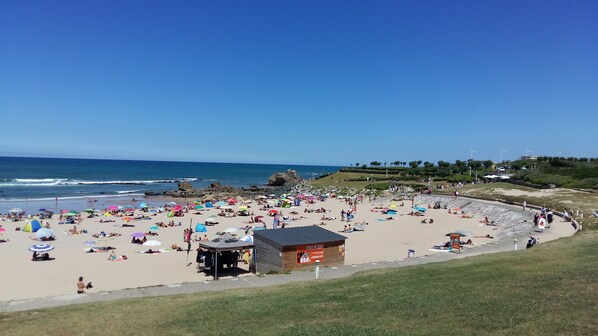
{"x":551,"y":289}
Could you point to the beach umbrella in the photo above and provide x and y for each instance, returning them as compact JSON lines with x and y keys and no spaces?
{"x":460,"y":234}
{"x":152,"y":243}
{"x":112,"y":208}
{"x":2,"y":229}
{"x":128,"y":219}
{"x":243,"y":208}
{"x":169,"y":215}
{"x":273,"y":211}
{"x":106,"y":214}
{"x":221,"y":203}
{"x":143,"y":205}
{"x":392,"y":206}
{"x":153,"y":210}
{"x":231,"y":230}
{"x":41,"y":248}
{"x":89,"y":243}
{"x":171,"y":203}
{"x":15,"y":210}
{"x":200,"y":228}
{"x":178,"y":207}
{"x":153,"y":228}
{"x":198,"y":207}
{"x":89,"y":210}
{"x":44,"y":233}
{"x":137,"y":234}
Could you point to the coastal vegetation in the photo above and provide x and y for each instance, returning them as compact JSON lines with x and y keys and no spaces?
{"x":547,"y":290}
{"x":574,"y":181}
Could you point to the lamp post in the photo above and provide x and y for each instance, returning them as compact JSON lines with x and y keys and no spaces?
{"x":501,"y":153}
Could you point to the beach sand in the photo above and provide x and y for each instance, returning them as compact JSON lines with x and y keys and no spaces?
{"x":383,"y":240}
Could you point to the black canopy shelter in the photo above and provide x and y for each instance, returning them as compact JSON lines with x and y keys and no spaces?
{"x":226,"y":242}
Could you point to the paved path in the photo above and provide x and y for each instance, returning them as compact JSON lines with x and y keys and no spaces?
{"x":251,"y":280}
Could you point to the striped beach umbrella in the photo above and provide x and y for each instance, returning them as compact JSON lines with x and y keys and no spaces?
{"x":41,"y":248}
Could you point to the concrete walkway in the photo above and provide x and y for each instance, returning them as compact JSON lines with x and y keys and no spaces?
{"x":252,"y":281}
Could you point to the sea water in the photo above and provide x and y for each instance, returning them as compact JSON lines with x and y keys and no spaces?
{"x":53,"y":183}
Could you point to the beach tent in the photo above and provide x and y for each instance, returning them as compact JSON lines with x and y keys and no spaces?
{"x":418,"y":208}
{"x":44,"y":233}
{"x":33,"y":226}
{"x":200,"y":228}
{"x":169,"y":215}
{"x":209,"y":204}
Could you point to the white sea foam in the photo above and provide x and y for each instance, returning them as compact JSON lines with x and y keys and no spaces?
{"x":67,"y":198}
{"x":52,"y":182}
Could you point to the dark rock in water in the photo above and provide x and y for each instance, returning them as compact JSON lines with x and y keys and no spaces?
{"x":185,"y":186}
{"x":279,"y":179}
{"x":215,"y":185}
{"x":152,"y":193}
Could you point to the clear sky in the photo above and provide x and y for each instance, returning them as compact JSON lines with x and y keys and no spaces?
{"x":304,"y":82}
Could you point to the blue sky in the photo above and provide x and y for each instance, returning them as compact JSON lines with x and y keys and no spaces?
{"x":304,"y":82}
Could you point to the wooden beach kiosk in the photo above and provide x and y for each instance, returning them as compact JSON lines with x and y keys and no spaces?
{"x":281,"y":250}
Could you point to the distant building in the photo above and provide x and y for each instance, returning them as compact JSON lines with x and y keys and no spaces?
{"x":529,"y":157}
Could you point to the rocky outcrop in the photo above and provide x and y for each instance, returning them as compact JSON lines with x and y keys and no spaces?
{"x":217,"y":191}
{"x":280,"y":179}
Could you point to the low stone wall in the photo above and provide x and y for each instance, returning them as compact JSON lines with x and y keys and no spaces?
{"x":513,"y":222}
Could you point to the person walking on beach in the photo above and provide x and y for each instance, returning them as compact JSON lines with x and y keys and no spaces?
{"x":524,"y":205}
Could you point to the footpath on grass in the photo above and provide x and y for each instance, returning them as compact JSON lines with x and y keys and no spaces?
{"x":513,"y":236}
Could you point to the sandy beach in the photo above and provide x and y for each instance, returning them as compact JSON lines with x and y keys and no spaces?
{"x":383,"y":240}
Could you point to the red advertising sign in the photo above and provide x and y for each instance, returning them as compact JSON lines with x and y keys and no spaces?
{"x":308,"y":254}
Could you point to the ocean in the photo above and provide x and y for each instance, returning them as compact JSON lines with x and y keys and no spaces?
{"x":53,"y":183}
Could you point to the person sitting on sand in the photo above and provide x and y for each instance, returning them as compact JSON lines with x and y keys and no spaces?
{"x":112,"y":257}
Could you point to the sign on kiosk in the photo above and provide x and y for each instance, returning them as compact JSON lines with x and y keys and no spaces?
{"x":308,"y":254}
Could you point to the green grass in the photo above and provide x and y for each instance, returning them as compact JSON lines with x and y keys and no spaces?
{"x":551,"y":289}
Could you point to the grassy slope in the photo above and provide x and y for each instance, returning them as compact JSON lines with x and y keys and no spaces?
{"x":550,"y":289}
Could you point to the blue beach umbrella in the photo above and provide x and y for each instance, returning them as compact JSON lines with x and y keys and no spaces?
{"x":143,"y":205}
{"x":153,"y":228}
{"x":41,"y":248}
